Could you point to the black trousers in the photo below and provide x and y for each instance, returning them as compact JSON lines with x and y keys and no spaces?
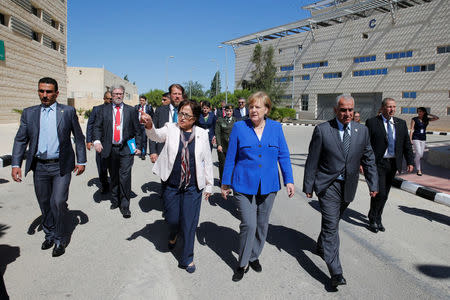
{"x":386,"y":172}
{"x":102,"y":169}
{"x":120,"y":169}
{"x":144,"y":142}
{"x":332,"y":206}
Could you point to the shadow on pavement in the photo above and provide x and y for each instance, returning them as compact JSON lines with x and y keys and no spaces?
{"x":152,"y":186}
{"x":429,"y":215}
{"x":222,"y":240}
{"x":3,"y":180}
{"x":435,"y":271}
{"x":152,"y":202}
{"x":8,"y":254}
{"x":74,"y":218}
{"x":296,"y":243}
{"x":228,"y":205}
{"x":350,"y":216}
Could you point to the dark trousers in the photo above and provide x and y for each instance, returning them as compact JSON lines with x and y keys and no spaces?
{"x":221,"y":156}
{"x":182,"y":208}
{"x":120,"y":170}
{"x":52,"y":191}
{"x":332,"y":206}
{"x":386,"y":172}
{"x":144,"y":143}
{"x":255,"y":212}
{"x":102,"y":168}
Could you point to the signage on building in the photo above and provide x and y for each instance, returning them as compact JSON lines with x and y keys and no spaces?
{"x":2,"y":50}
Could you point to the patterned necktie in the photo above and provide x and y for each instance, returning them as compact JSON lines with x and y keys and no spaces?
{"x":175,"y":115}
{"x":346,"y":140}
{"x":117,"y":125}
{"x":390,"y":137}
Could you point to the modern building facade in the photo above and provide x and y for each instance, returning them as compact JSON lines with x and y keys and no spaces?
{"x":33,"y":43}
{"x":86,"y":86}
{"x":371,"y":49}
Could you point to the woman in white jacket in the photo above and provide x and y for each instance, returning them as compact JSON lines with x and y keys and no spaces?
{"x":185,"y":168}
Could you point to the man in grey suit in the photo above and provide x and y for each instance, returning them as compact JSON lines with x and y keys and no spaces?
{"x":337,"y":149}
{"x":46,"y":130}
{"x":102,"y":165}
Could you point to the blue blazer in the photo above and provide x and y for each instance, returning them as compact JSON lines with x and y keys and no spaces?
{"x":251,"y":162}
{"x":210,"y":124}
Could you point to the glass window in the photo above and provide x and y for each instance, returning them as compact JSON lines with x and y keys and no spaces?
{"x":431,"y":67}
{"x":2,"y":19}
{"x":416,"y":69}
{"x":448,"y":111}
{"x":405,"y":110}
{"x":287,"y":68}
{"x":305,"y":102}
{"x":305,"y":77}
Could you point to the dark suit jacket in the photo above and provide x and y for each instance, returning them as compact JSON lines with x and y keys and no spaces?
{"x":28,"y":135}
{"x":91,"y":122}
{"x":103,"y":129}
{"x":209,"y":125}
{"x":378,"y":139}
{"x":237,"y":114}
{"x":160,"y":118}
{"x":326,"y":160}
{"x":148,"y":109}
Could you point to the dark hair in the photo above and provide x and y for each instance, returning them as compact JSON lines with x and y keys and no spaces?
{"x":206,"y":103}
{"x":196,"y":109}
{"x":166,"y":95}
{"x":143,"y":96}
{"x":425,"y":119}
{"x":178,"y":86}
{"x":49,"y":80}
{"x":228,"y":106}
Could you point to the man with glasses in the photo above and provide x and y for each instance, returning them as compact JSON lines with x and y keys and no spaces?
{"x":46,"y":129}
{"x":102,"y":166}
{"x":337,"y":149}
{"x":115,"y":126}
{"x":241,"y":112}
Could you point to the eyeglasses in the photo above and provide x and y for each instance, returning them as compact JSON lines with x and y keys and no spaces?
{"x":241,"y":102}
{"x":117,"y":94}
{"x":185,"y":115}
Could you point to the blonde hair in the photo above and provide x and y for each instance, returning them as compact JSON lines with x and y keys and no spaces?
{"x":260,"y":96}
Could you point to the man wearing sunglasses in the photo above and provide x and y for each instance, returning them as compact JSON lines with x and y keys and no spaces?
{"x":241,"y":112}
{"x":46,"y":130}
{"x":337,"y":149}
{"x":102,"y":166}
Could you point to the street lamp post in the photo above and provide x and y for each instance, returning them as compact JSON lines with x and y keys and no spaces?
{"x":167,"y":67}
{"x":226,"y":73}
{"x":217,"y":74}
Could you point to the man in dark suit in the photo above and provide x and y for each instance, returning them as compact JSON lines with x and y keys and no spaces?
{"x":102,"y":166}
{"x":164,"y":114}
{"x":241,"y":112}
{"x":337,"y":149}
{"x":145,"y":107}
{"x":390,"y":142}
{"x":46,"y":130}
{"x":114,"y":127}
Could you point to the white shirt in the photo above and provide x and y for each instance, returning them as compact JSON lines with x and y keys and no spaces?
{"x":242,"y":111}
{"x":391,"y":123}
{"x":341,"y":129}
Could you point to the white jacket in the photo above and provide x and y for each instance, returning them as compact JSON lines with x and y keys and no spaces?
{"x":170,"y":135}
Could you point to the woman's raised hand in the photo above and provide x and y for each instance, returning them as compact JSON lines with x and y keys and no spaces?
{"x":146,"y":119}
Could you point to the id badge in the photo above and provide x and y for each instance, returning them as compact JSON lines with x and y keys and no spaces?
{"x":421,"y":130}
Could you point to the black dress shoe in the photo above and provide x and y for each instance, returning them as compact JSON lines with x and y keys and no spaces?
{"x":59,"y":250}
{"x":239,"y":274}
{"x":256,"y":266}
{"x":47,"y":244}
{"x":338,"y":280}
{"x":381,"y":227}
{"x":126,"y":213}
{"x":373,"y":227}
{"x":114,"y":206}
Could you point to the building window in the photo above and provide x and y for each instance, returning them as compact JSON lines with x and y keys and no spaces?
{"x":286,"y":97}
{"x":305,"y":102}
{"x":284,"y":79}
{"x":54,"y":24}
{"x":364,"y":59}
{"x":420,"y":68}
{"x":448,"y":111}
{"x":54,"y":46}
{"x":36,"y":37}
{"x":305,"y":77}
{"x":35,"y":11}
{"x":443,"y":49}
{"x":396,"y":55}
{"x":412,"y":95}
{"x":315,"y":65}
{"x":287,"y":68}
{"x":332,"y":75}
{"x":370,"y":72}
{"x":412,"y":110}
{"x":61,"y":28}
{"x":2,"y":19}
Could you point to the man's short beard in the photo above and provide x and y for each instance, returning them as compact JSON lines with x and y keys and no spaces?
{"x":117,"y":101}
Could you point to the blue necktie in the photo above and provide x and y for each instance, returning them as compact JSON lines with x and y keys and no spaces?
{"x":175,"y":115}
{"x":43,"y":133}
{"x":390,"y":136}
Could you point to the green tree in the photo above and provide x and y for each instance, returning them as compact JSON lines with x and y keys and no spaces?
{"x":215,"y":85}
{"x":154,"y":97}
{"x":194,"y":89}
{"x":263,"y":75}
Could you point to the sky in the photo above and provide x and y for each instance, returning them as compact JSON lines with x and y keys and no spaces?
{"x":137,"y":37}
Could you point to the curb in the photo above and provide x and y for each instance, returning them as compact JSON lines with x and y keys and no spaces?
{"x":421,"y":191}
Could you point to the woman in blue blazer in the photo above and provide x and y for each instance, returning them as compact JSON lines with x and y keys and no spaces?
{"x":257,"y":145}
{"x":207,"y":121}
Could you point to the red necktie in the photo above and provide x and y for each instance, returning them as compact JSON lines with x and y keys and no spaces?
{"x":117,"y":125}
